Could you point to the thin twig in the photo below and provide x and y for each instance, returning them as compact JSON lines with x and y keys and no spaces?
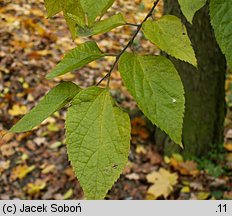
{"x":139,"y":26}
{"x":132,"y":24}
{"x":111,"y":54}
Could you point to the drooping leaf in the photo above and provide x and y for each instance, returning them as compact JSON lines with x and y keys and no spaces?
{"x":94,"y":8}
{"x":102,"y":26}
{"x":98,"y":139}
{"x":69,"y":7}
{"x":76,"y":58}
{"x":221,"y":13}
{"x":57,"y":98}
{"x":189,"y":8}
{"x":73,"y":7}
{"x":156,"y":86}
{"x":170,"y":35}
{"x":53,"y":7}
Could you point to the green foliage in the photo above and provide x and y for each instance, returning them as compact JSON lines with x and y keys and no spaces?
{"x":156,"y":86}
{"x":169,"y":34}
{"x":94,"y":8}
{"x":73,"y":7}
{"x":97,"y":131}
{"x":57,"y":98}
{"x":211,"y":168}
{"x":221,"y":13}
{"x":98,"y":140}
{"x":76,"y":58}
{"x":102,"y":26}
{"x":189,"y":8}
{"x":68,"y":7}
{"x":53,"y":7}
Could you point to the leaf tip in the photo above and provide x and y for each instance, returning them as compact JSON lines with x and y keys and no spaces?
{"x":181,"y":145}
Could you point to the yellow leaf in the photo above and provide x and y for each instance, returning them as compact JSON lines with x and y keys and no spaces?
{"x":48,"y":169}
{"x":140,"y":150}
{"x":21,"y":171}
{"x":17,"y":110}
{"x":167,"y":159}
{"x":177,"y":157}
{"x":163,"y":183}
{"x":228,"y":146}
{"x":53,"y":127}
{"x":68,"y":194}
{"x":202,"y":195}
{"x":35,"y":188}
{"x":185,"y":189}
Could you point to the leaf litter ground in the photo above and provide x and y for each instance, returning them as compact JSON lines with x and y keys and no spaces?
{"x":34,"y":165}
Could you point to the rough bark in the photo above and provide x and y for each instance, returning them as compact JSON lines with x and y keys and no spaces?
{"x":204,"y":88}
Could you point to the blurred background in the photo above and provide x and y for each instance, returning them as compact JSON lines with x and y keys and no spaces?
{"x":34,"y":165}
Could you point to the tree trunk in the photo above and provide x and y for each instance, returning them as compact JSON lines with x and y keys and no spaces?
{"x":204,"y":88}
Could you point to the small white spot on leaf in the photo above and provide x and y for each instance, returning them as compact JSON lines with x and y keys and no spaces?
{"x":173,"y":100}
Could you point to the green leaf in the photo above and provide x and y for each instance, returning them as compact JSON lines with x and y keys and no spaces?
{"x":156,"y":86}
{"x":221,"y":19}
{"x":94,"y":8}
{"x":69,"y":8}
{"x":102,"y":26}
{"x":53,"y":7}
{"x":189,"y":8}
{"x":170,"y":35}
{"x":98,"y":140}
{"x":57,"y":98}
{"x":76,"y":58}
{"x":73,"y":7}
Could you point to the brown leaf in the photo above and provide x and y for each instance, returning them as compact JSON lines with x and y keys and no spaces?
{"x":185,"y":168}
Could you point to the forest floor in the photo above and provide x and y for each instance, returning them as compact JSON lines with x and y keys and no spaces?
{"x":34,"y":165}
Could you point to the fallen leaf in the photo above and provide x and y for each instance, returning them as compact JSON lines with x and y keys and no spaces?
{"x":228,"y":195}
{"x":8,"y":149}
{"x":18,"y":110}
{"x":5,"y":137}
{"x":53,"y":127}
{"x":24,"y":157}
{"x":196,"y":185}
{"x":133,"y":176}
{"x":35,"y":188}
{"x":185,"y":189}
{"x":228,"y":146}
{"x":140,"y":149}
{"x":68,"y":194}
{"x":167,"y":159}
{"x":48,"y":169}
{"x":155,"y":158}
{"x":203,"y":195}
{"x":4,"y":165}
{"x":40,"y":140}
{"x":229,"y":157}
{"x":70,"y":173}
{"x":138,"y":128}
{"x":185,"y":168}
{"x":55,"y":145}
{"x":163,"y":182}
{"x":21,"y":171}
{"x":177,"y":157}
